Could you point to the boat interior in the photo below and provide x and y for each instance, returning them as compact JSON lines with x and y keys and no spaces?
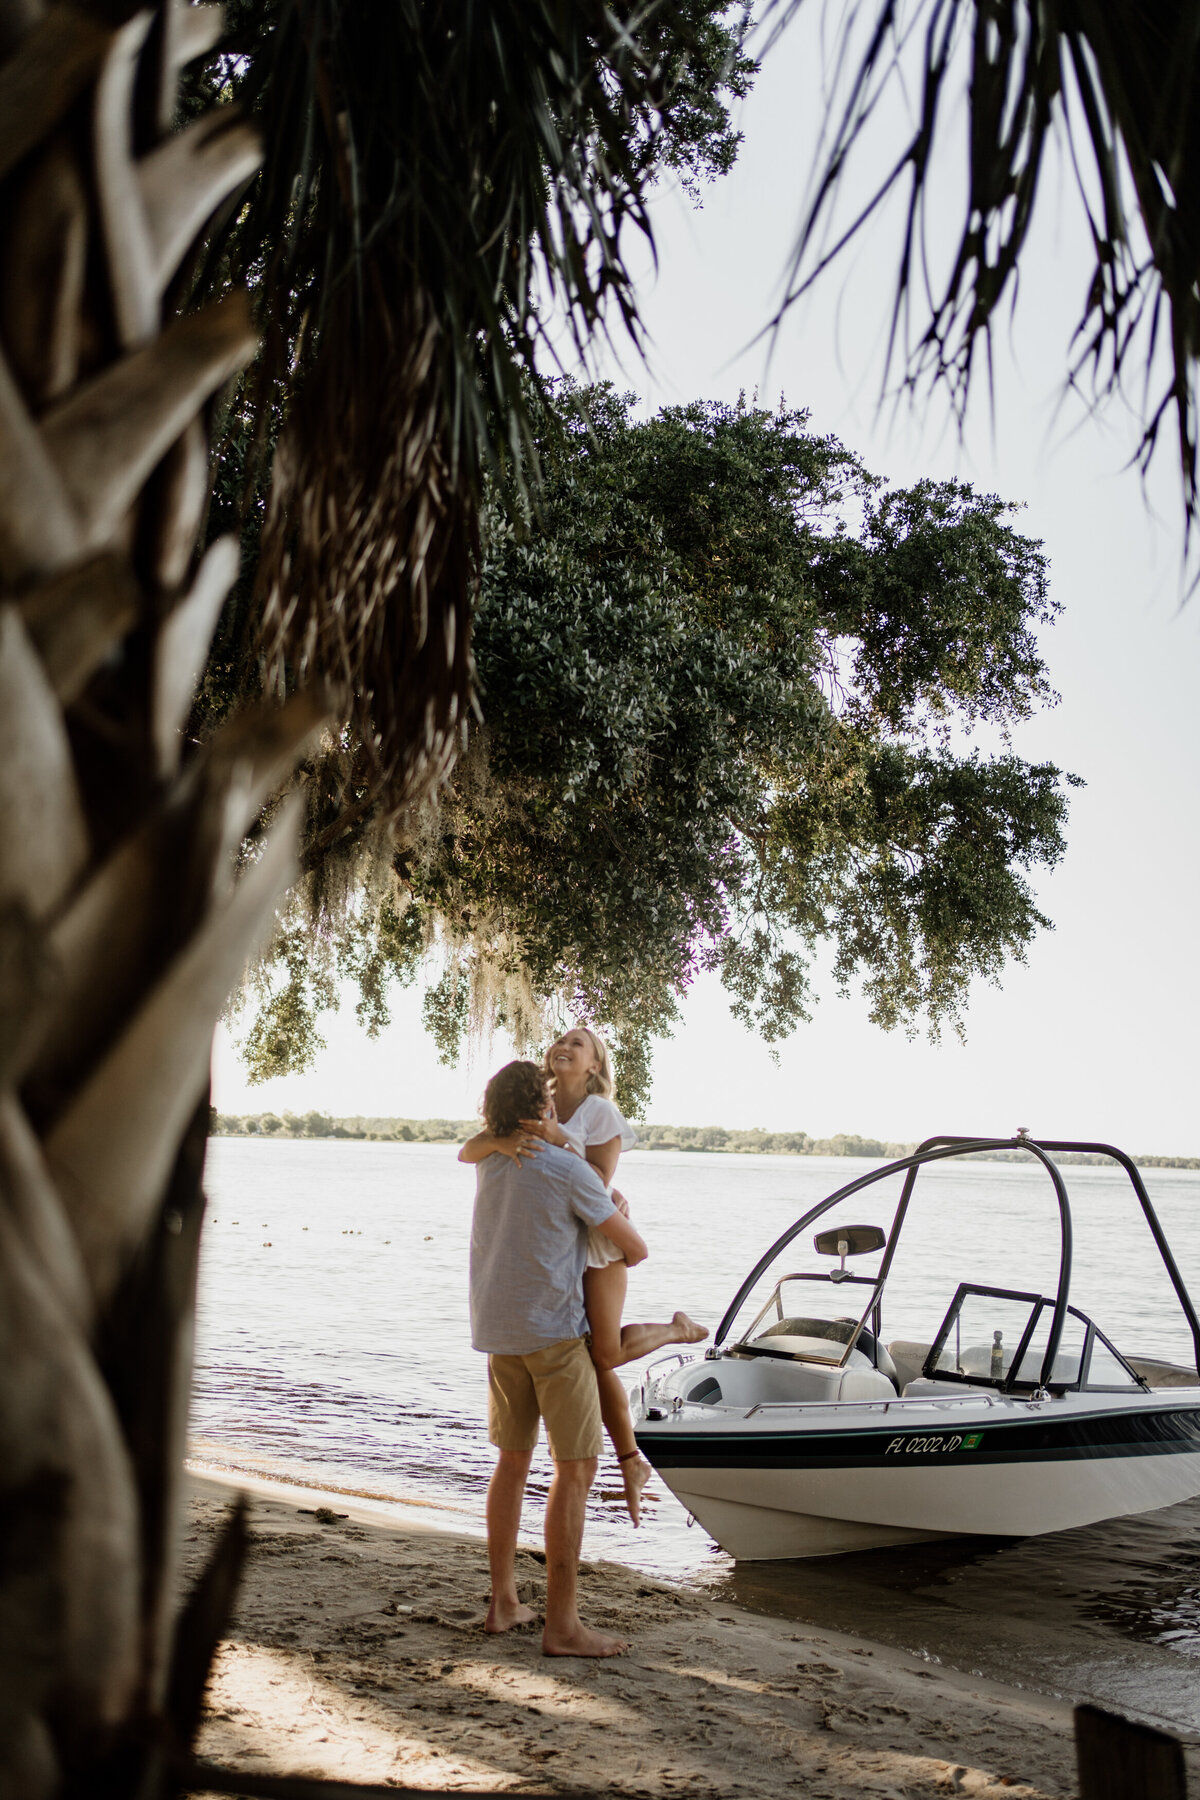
{"x":820,"y":1335}
{"x":991,"y":1339}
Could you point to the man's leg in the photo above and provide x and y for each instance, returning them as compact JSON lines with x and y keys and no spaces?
{"x":566,"y":1391}
{"x":506,"y":1491}
{"x":565,"y":1633}
{"x":513,"y":1429}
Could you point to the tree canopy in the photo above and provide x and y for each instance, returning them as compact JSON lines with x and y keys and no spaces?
{"x":727,"y":677}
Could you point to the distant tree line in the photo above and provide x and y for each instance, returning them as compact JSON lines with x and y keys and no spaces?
{"x":650,"y":1137}
{"x":453,"y":1131}
{"x":323,"y":1125}
{"x":772,"y":1143}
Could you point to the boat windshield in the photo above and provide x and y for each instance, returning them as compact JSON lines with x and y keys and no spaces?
{"x":998,"y":1337}
{"x":817,"y":1317}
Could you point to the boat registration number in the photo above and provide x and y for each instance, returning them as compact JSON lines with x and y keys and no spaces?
{"x":942,"y":1445}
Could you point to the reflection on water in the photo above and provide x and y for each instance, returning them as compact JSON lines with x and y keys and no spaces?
{"x":1102,"y":1613}
{"x":334,"y":1349}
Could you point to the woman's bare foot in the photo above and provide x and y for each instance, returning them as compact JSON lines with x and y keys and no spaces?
{"x":635,"y":1473}
{"x":687,"y":1330}
{"x":506,"y":1617}
{"x":583,"y":1641}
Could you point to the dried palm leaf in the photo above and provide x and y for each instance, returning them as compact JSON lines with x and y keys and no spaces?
{"x":122,"y":924}
{"x":202,"y":1625}
{"x":69,"y":1632}
{"x":75,"y":620}
{"x":47,"y":849}
{"x":144,"y":1353}
{"x":369,"y":551}
{"x":112,"y":1149}
{"x":442,"y":181}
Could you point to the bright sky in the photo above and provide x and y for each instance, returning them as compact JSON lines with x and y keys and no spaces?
{"x":1095,"y":1036}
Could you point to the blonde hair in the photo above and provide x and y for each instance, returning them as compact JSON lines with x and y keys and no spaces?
{"x":601,"y":1080}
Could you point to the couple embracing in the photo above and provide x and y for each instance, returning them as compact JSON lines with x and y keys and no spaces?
{"x":550,"y":1250}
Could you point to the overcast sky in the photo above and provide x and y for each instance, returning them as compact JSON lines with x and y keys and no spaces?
{"x":1096,"y":1035}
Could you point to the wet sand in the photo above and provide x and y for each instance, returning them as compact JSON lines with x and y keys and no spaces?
{"x":358,"y":1653}
{"x":1106,"y":1613}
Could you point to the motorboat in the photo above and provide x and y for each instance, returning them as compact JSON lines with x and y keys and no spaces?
{"x":808,"y":1434}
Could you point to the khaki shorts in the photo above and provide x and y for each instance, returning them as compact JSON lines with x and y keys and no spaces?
{"x":557,"y":1384}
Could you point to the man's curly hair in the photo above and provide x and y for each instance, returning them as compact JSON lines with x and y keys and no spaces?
{"x":515,"y":1092}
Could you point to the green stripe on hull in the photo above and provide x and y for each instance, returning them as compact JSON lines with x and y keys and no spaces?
{"x":1100,"y":1436}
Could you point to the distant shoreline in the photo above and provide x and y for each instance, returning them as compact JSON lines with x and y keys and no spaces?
{"x":716,"y":1139}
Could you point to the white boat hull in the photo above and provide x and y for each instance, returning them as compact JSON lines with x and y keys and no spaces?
{"x":843,"y":1478}
{"x":766,"y":1534}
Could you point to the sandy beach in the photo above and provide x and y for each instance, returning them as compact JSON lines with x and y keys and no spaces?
{"x":358,"y":1653}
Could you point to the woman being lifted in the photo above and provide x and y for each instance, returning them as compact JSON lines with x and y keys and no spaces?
{"x":585,"y":1119}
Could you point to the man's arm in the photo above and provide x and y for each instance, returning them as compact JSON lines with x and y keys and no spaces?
{"x":615,"y":1226}
{"x":626,"y":1237}
{"x":483,"y":1145}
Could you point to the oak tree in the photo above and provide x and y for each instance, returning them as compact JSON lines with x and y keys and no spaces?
{"x":729,"y":681}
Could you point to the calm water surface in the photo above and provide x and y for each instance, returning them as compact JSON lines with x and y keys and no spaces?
{"x":334,"y":1349}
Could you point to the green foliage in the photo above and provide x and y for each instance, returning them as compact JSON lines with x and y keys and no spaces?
{"x":283,"y":1038}
{"x":498,"y":160}
{"x":764,"y":1143}
{"x":720,"y":674}
{"x":371,"y":948}
{"x":322,"y":1125}
{"x":697,"y":46}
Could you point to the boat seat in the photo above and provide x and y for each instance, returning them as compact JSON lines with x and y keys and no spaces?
{"x":976,"y":1360}
{"x":838,"y":1330}
{"x":909,"y":1360}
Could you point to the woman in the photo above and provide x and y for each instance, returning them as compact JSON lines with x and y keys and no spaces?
{"x":585,"y":1120}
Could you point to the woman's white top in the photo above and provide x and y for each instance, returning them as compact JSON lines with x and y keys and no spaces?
{"x":597,"y":1121}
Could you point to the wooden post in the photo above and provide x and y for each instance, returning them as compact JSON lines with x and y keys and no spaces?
{"x":1121,"y":1760}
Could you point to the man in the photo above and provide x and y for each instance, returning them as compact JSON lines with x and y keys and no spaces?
{"x":528,"y":1249}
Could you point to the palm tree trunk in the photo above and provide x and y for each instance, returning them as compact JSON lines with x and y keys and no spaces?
{"x":122,"y":925}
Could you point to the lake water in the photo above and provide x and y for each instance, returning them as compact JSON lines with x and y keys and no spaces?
{"x":333,"y":1348}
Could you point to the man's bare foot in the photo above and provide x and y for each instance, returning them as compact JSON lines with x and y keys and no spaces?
{"x":506,"y":1618}
{"x":687,"y":1331}
{"x":582,"y":1641}
{"x":635,"y":1473}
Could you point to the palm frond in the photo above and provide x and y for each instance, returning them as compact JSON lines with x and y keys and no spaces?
{"x":1119,"y":82}
{"x":445,"y":188}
